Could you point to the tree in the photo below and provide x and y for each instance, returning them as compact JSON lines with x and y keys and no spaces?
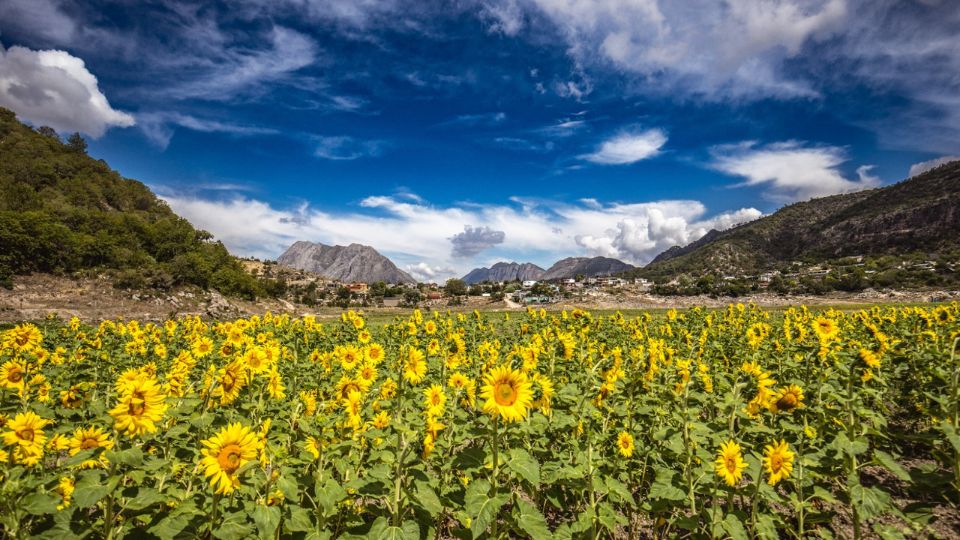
{"x":48,"y":131}
{"x":455,"y":287}
{"x":77,"y":143}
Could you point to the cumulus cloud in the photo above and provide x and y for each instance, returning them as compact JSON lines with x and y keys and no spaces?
{"x":412,"y":231}
{"x":55,"y":88}
{"x":422,"y":271}
{"x":628,"y":147}
{"x":342,"y":148}
{"x":474,"y":240}
{"x":924,"y":166}
{"x":791,"y":170}
{"x":159,"y":127}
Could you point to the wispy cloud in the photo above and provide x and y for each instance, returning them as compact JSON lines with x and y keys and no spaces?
{"x":791,"y":170}
{"x":343,"y":148}
{"x":628,"y":147}
{"x":159,"y":127}
{"x":924,"y":166}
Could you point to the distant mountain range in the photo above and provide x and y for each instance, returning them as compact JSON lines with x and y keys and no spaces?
{"x":504,"y":271}
{"x":565,"y":268}
{"x":351,"y":263}
{"x":920,"y":214}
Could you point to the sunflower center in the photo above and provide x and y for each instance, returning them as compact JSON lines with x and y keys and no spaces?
{"x":89,"y":443}
{"x":504,"y":394}
{"x":26,"y":434}
{"x":731,"y":463}
{"x":787,"y":402}
{"x":15,"y":376}
{"x":137,"y":404}
{"x":776,"y":462}
{"x":229,"y":458}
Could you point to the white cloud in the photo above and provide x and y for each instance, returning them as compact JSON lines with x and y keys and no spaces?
{"x":626,"y":148}
{"x":924,"y":166}
{"x":342,"y":148}
{"x":159,"y":126}
{"x":411,"y":231}
{"x":54,"y":88}
{"x":223,"y":72}
{"x":422,"y":271}
{"x":791,"y":171}
{"x":42,"y":18}
{"x":733,"y":48}
{"x":473,"y":240}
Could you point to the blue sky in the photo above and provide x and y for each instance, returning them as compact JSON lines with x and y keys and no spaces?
{"x":451,"y":135}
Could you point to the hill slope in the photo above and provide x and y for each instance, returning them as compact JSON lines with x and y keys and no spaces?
{"x":345,"y":263}
{"x":62,"y":211}
{"x":918,"y":214}
{"x":504,"y":271}
{"x":587,"y":266}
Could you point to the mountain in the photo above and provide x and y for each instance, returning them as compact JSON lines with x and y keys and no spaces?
{"x":589,"y":267}
{"x":344,"y":263}
{"x":920,"y":214}
{"x":504,"y":271}
{"x":63,"y":212}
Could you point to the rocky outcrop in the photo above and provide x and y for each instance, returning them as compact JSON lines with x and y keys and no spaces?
{"x":504,"y":271}
{"x":586,"y":266}
{"x":351,"y":263}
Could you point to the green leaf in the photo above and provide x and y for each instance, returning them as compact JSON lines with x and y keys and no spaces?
{"x":39,"y":503}
{"x":329,"y":494}
{"x":144,"y":498}
{"x":88,"y":490}
{"x":869,"y":502}
{"x":766,"y":528}
{"x":427,"y":498}
{"x":525,"y":466}
{"x":532,"y":522}
{"x":131,"y":457}
{"x":173,"y":525}
{"x":289,"y":488}
{"x":267,"y":519}
{"x":481,"y":507}
{"x":232,"y":530}
{"x":665,"y":486}
{"x":299,"y":520}
{"x":733,"y":527}
{"x":80,"y":457}
{"x":382,"y":530}
{"x":889,"y":463}
{"x":619,"y":491}
{"x":888,"y":532}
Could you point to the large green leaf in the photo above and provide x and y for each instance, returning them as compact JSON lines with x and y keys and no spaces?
{"x":481,"y":506}
{"x":531,"y":521}
{"x":525,"y":466}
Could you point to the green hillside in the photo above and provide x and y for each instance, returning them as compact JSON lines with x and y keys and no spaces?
{"x":914,"y":222}
{"x":62,"y":212}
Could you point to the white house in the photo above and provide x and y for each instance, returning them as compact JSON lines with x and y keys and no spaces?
{"x":528,"y":283}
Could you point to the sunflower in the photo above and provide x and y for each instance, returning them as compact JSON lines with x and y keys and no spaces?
{"x":367,"y":374}
{"x":275,"y":384}
{"x":381,"y":420}
{"x":225,"y":453}
{"x":507,"y":392}
{"x":256,"y":360}
{"x":415,"y":368}
{"x":86,"y":439}
{"x":26,"y":434}
{"x":349,"y":356}
{"x":65,"y":488}
{"x":374,"y":353}
{"x":202,"y":347}
{"x":788,"y":399}
{"x":869,"y":357}
{"x":312,"y":447}
{"x":729,"y":464}
{"x":22,"y":338}
{"x":434,"y":400}
{"x":230,"y":380}
{"x":825,"y":328}
{"x":458,"y":381}
{"x":625,"y":444}
{"x":12,"y":375}
{"x":777,"y":461}
{"x":140,"y":408}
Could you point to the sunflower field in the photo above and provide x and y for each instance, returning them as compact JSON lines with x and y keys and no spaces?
{"x":735,"y":423}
